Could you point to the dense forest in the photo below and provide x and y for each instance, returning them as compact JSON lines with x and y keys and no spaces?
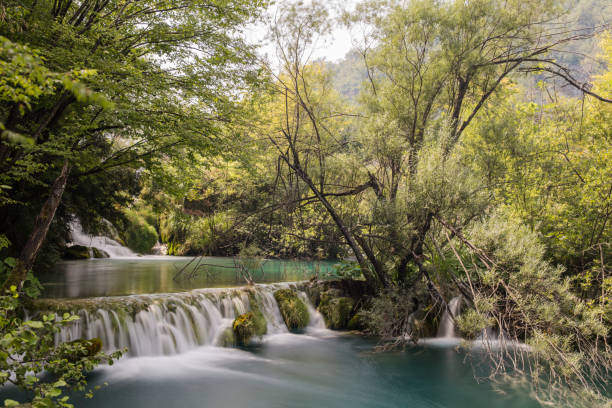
{"x":460,"y":147}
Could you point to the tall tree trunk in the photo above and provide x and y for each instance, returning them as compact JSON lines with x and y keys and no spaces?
{"x":373,"y":280}
{"x":30,"y":250}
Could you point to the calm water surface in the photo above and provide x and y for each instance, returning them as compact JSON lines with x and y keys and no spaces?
{"x":154,"y":274}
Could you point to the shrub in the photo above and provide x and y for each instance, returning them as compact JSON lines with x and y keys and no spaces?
{"x":139,"y":235}
{"x":34,"y":342}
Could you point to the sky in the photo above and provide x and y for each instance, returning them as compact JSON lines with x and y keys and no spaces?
{"x":336,"y":45}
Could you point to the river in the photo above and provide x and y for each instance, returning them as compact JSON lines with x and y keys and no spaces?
{"x":177,"y":357}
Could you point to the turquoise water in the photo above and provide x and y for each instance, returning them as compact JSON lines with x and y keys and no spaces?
{"x":139,"y":275}
{"x":317,"y":370}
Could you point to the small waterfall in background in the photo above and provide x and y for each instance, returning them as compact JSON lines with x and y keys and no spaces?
{"x":165,"y":324}
{"x":447,"y":325}
{"x":488,"y":334}
{"x":159,"y":249}
{"x":113,"y":248}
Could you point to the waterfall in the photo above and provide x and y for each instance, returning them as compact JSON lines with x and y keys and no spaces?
{"x":487,"y":334}
{"x":165,"y":324}
{"x":113,"y":248}
{"x":447,"y":324}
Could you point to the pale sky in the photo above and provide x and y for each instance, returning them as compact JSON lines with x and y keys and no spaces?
{"x":335,"y":46}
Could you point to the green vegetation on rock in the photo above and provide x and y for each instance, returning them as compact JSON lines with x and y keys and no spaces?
{"x":227,"y":338}
{"x":76,"y":252}
{"x":336,"y":310}
{"x":248,"y":325}
{"x":98,"y":253}
{"x":356,"y":322}
{"x":292,"y":308}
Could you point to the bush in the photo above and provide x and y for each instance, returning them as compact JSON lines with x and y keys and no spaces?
{"x":139,"y":235}
{"x":34,"y":342}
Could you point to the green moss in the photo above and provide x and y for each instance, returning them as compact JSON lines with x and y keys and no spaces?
{"x":336,"y":311}
{"x":76,"y":252}
{"x":292,"y":308}
{"x":227,"y":338}
{"x":356,"y":322}
{"x":98,"y":253}
{"x":314,"y":294}
{"x":328,"y":295}
{"x":248,"y":325}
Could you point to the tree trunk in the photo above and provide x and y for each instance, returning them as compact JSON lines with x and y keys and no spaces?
{"x":39,"y":233}
{"x":374,"y":281}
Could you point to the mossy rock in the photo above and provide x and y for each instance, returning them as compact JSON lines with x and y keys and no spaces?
{"x":292,"y":308}
{"x":330,"y":294}
{"x":227,"y":339}
{"x":356,"y":322}
{"x":76,"y":252}
{"x":248,"y":325}
{"x":336,"y":311}
{"x":98,"y":253}
{"x":314,"y":294}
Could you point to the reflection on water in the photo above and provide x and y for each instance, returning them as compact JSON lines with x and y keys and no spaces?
{"x":151,"y":274}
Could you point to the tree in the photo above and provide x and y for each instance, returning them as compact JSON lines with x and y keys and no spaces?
{"x":434,"y":67}
{"x":549,"y":164}
{"x":147,"y":81}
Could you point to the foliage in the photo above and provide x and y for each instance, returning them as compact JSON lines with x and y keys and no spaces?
{"x":248,"y":325}
{"x":511,"y":285}
{"x":550,"y":165}
{"x":88,"y":86}
{"x":32,"y":287}
{"x":401,"y":313}
{"x":30,"y":359}
{"x":347,"y":270}
{"x":423,"y":154}
{"x":140,"y":236}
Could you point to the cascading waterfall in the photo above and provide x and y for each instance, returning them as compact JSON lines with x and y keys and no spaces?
{"x":113,"y":248}
{"x":164,"y":324}
{"x":447,"y":324}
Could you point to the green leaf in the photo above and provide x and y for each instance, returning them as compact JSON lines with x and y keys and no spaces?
{"x":60,"y":383}
{"x":35,"y":324}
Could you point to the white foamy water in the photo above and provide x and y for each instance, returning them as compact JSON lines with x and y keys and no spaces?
{"x":447,"y":324}
{"x":113,"y":248}
{"x":167,"y":324}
